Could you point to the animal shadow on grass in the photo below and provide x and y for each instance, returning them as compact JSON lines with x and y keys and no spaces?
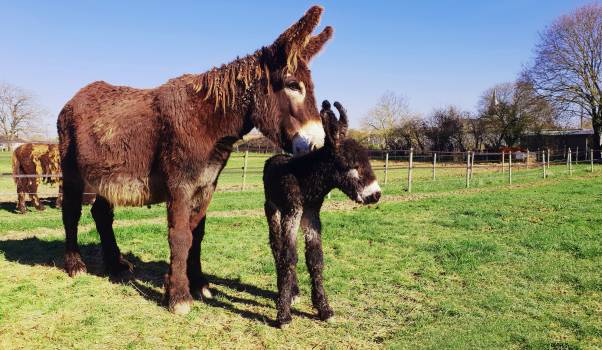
{"x":34,"y":252}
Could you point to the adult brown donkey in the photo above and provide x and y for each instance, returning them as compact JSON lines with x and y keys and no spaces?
{"x":169,"y":144}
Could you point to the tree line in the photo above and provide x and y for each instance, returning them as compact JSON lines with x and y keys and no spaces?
{"x":562,"y":83}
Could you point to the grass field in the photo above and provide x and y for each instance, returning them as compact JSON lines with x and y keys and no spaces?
{"x":495,"y":266}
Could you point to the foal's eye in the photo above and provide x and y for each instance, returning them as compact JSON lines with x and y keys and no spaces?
{"x":293,"y":85}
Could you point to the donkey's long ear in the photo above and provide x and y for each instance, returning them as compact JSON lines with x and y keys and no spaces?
{"x":294,"y":39}
{"x":316,"y":43}
{"x":330,"y":124}
{"x":343,"y":121}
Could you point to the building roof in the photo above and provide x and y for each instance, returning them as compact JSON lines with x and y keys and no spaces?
{"x":562,"y":132}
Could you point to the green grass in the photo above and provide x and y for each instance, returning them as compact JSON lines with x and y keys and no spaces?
{"x":490,"y":268}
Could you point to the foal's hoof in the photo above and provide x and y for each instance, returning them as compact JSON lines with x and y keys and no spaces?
{"x":327,"y":315}
{"x":74,"y":264}
{"x":40,"y":208}
{"x":283,"y":322}
{"x":181,"y":308}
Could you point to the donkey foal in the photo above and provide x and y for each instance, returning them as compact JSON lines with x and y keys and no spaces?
{"x":295,"y":189}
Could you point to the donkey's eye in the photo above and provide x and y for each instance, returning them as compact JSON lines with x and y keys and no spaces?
{"x":293,"y":85}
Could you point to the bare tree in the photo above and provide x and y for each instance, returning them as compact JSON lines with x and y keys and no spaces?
{"x":18,"y":111}
{"x":389,"y":113}
{"x":509,"y":110}
{"x":567,"y":65}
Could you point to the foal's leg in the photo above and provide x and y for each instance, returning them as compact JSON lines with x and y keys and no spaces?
{"x":287,"y":263}
{"x":71,"y":213}
{"x":102,"y":212}
{"x":310,"y":224}
{"x":177,"y":286}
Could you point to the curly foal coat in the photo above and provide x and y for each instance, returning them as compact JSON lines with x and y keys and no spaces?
{"x":295,"y":189}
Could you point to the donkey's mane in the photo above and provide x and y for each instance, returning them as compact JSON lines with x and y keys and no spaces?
{"x":220,"y":84}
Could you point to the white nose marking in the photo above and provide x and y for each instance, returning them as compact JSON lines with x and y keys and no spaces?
{"x":313,"y":132}
{"x":353,"y":173}
{"x":371,"y":189}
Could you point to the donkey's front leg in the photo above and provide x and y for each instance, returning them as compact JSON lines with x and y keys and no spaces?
{"x":287,"y":263}
{"x":180,"y":240}
{"x":312,"y":230}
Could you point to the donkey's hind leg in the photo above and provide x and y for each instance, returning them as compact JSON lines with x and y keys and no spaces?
{"x":273,"y":216}
{"x":310,"y":224}
{"x":102,"y":212}
{"x":287,"y":263}
{"x":71,"y":213}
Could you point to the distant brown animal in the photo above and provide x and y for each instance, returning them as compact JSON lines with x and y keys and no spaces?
{"x":34,"y":163}
{"x":169,"y":144}
{"x":30,"y":161}
{"x":294,"y":192}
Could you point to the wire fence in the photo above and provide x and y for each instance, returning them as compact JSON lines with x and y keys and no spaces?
{"x":397,"y":170}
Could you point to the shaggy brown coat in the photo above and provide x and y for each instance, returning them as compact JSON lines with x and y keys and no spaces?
{"x":169,"y":144}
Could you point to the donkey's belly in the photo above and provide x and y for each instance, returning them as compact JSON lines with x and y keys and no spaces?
{"x":129,"y":190}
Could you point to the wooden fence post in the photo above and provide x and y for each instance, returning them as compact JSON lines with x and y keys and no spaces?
{"x":510,"y":167}
{"x":576,"y":155}
{"x":386,"y":167}
{"x":434,"y":165}
{"x":244,"y":170}
{"x":591,"y":160}
{"x":543,"y":163}
{"x":468,"y":169}
{"x":548,"y":159}
{"x":568,"y":157}
{"x":503,"y":162}
{"x":471,"y":163}
{"x":570,"y":162}
{"x":410,"y":166}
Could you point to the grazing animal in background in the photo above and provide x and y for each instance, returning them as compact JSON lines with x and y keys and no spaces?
{"x":294,"y":192}
{"x":34,"y":163}
{"x":169,"y":144}
{"x":30,"y":162}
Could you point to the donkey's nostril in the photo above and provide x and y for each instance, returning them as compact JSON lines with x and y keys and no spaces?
{"x":376,"y":197}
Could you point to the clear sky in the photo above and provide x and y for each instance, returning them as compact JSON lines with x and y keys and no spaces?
{"x":435,"y":53}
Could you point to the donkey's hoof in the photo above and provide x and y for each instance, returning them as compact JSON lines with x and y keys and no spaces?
{"x":296,"y":299}
{"x":40,"y":208}
{"x":206,"y":293}
{"x":120,"y":267}
{"x":202,"y":292}
{"x":181,"y":308}
{"x":74,"y":264}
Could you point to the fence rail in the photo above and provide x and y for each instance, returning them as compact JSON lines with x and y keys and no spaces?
{"x":398,"y":167}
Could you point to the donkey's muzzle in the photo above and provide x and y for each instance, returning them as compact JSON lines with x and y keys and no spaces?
{"x":373,"y":198}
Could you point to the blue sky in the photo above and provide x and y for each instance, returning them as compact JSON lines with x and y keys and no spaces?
{"x":435,"y":53}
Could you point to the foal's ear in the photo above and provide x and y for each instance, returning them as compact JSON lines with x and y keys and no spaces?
{"x":343,"y":121}
{"x":316,"y":43}
{"x":330,"y":124}
{"x":297,"y":36}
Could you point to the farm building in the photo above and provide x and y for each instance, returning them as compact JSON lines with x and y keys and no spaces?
{"x":7,"y":145}
{"x":559,"y":139}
